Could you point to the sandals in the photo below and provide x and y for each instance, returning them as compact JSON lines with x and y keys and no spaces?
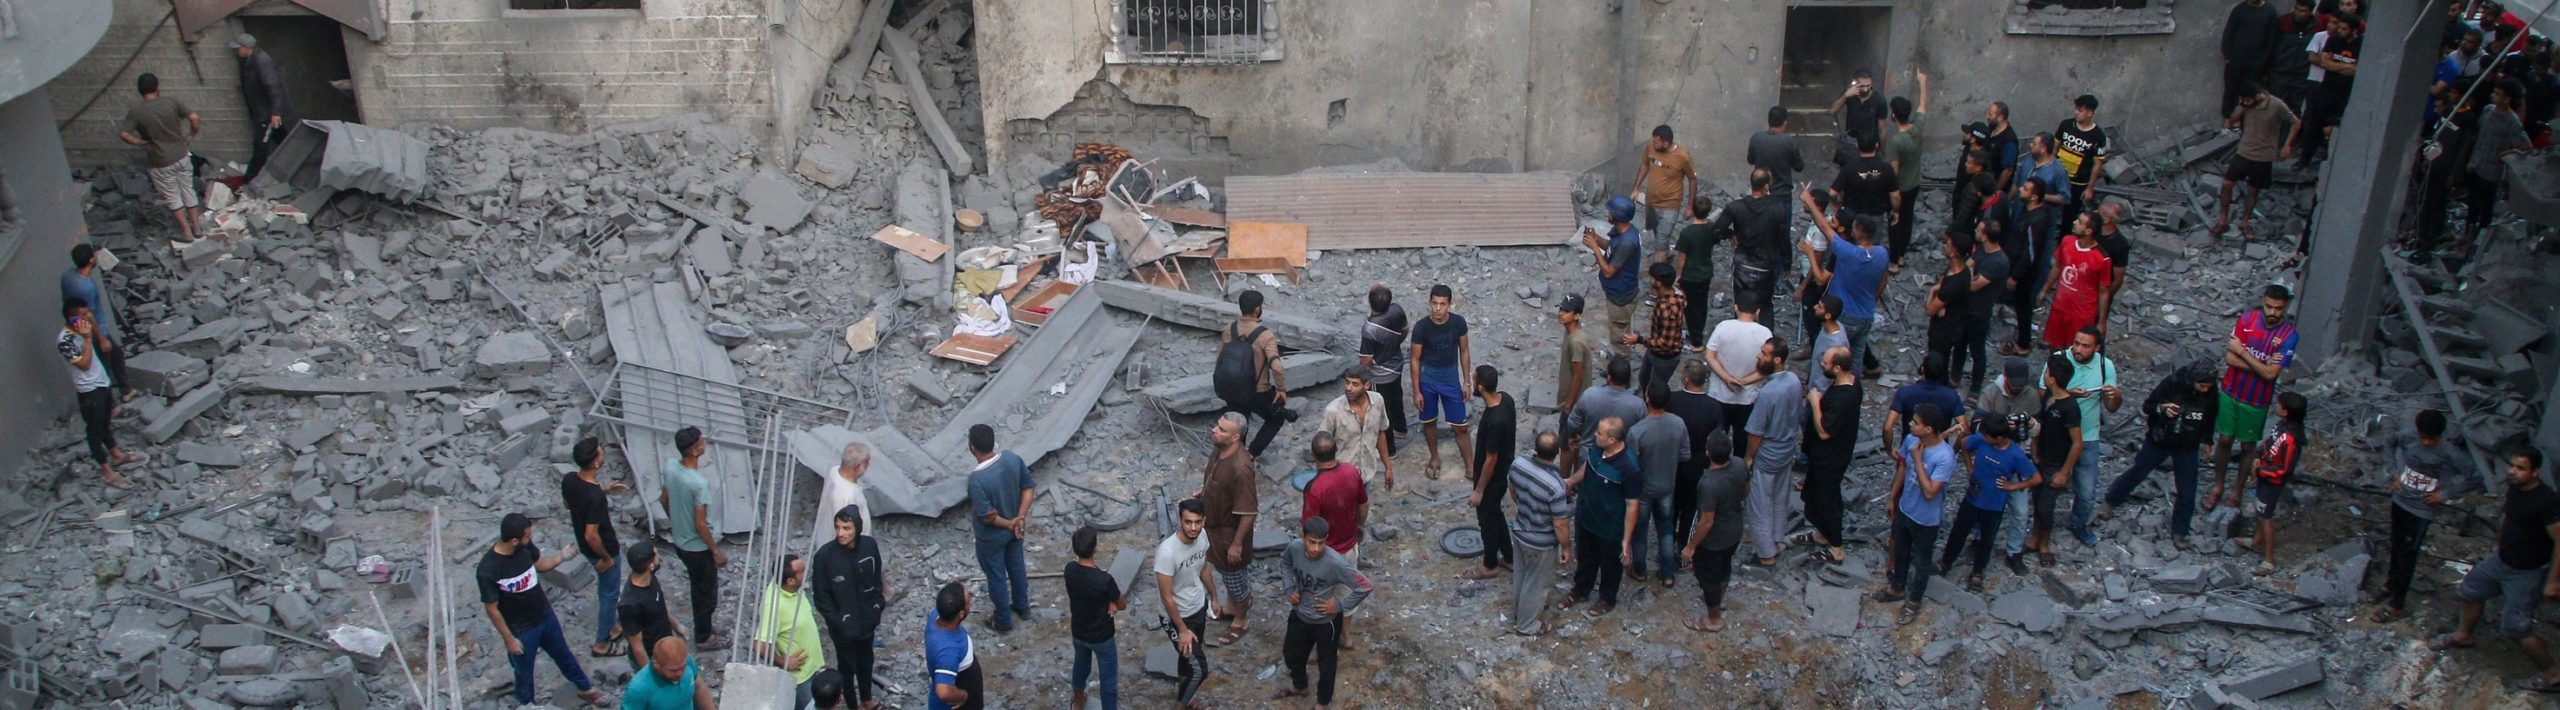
{"x":2386,"y":614}
{"x":2447,"y":642}
{"x":593,"y":697}
{"x":603,"y":650}
{"x":1702,"y":624}
{"x":1230,"y":637}
{"x":1599,"y":610}
{"x":1909,"y":613}
{"x":1887,"y":595}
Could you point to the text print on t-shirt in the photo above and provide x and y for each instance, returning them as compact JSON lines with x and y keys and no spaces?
{"x":521,"y":583}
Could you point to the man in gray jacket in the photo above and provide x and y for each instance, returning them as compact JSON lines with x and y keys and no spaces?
{"x":2432,"y":472}
{"x":1315,"y":572}
{"x":262,"y":91}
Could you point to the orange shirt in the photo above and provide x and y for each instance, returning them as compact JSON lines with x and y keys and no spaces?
{"x":1664,"y":173}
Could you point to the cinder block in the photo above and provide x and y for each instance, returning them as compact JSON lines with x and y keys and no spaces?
{"x":224,"y":637}
{"x":166,"y":373}
{"x":247,"y":660}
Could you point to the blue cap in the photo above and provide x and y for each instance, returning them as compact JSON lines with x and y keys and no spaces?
{"x":1622,"y":209}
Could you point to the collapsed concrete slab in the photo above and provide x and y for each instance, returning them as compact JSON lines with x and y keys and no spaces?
{"x":1081,"y":347}
{"x":890,"y":486}
{"x":904,"y":58}
{"x":166,"y":373}
{"x":511,"y":354}
{"x":342,"y":386}
{"x":1197,"y":394}
{"x":924,"y":205}
{"x":773,"y":202}
{"x":170,"y":421}
{"x":2283,"y":678}
{"x":1209,"y":313}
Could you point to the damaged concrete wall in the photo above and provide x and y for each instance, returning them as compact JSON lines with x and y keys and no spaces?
{"x":31,"y":276}
{"x":202,"y":74}
{"x":473,"y":64}
{"x":805,"y":44}
{"x":1534,"y":84}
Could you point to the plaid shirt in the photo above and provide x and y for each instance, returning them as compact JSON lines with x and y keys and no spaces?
{"x":1663,"y":337}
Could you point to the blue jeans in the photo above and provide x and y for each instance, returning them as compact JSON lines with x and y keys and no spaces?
{"x":2013,"y":522}
{"x":1656,"y":528}
{"x":2182,"y":512}
{"x":1858,"y":329}
{"x":547,"y":638}
{"x":1105,"y":653}
{"x":608,"y":603}
{"x":1008,"y":581}
{"x":2084,"y":488}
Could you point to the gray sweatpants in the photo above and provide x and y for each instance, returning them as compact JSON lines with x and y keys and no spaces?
{"x":1533,"y":575}
{"x":1766,"y":512}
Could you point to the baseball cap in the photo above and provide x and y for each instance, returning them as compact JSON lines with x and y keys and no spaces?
{"x":2015,"y":368}
{"x":1979,"y":130}
{"x":1571,"y":303}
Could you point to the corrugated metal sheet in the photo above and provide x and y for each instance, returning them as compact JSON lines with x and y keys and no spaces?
{"x":1404,"y":210}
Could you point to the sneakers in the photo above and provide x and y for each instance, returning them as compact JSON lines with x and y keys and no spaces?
{"x":2181,"y":543}
{"x":2087,"y":538}
{"x":1887,"y":595}
{"x":1910,"y":613}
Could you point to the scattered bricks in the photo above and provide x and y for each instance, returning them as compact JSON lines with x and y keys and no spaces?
{"x":388,"y":311}
{"x":2028,"y":608}
{"x":209,"y":456}
{"x":264,"y":693}
{"x":440,"y":481}
{"x":208,"y":341}
{"x":293,"y":612}
{"x":515,"y":450}
{"x":305,"y":490}
{"x":525,"y":421}
{"x":310,"y":434}
{"x":785,"y":330}
{"x":2278,"y":680}
{"x":20,"y":689}
{"x":773,"y":201}
{"x":381,"y":488}
{"x":2071,"y":588}
{"x":15,"y":637}
{"x":460,"y":229}
{"x":316,"y":528}
{"x":573,"y":575}
{"x":309,"y":280}
{"x":511,"y":354}
{"x":224,"y":637}
{"x":166,"y":373}
{"x":577,"y":324}
{"x":554,"y":267}
{"x":926,"y":386}
{"x":345,"y":687}
{"x":439,"y":290}
{"x":247,"y":660}
{"x":202,"y":253}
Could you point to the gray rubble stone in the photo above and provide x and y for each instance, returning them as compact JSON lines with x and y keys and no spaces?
{"x":293,"y":612}
{"x":772,"y":201}
{"x":166,"y":373}
{"x":247,"y":660}
{"x":310,"y":433}
{"x":224,"y":637}
{"x":525,"y":421}
{"x":2278,"y":680}
{"x":264,"y":693}
{"x":2028,"y":608}
{"x":923,"y":382}
{"x":511,"y":354}
{"x":209,"y":456}
{"x":388,"y":311}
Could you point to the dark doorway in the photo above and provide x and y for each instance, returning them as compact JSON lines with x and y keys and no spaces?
{"x":1825,"y":47}
{"x":312,"y":54}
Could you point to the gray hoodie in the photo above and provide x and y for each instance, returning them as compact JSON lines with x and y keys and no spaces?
{"x":1314,"y":579}
{"x":2418,"y":469}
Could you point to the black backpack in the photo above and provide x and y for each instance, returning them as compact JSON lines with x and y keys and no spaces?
{"x":1237,"y":371}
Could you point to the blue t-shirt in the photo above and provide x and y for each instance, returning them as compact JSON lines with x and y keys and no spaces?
{"x":685,"y":489}
{"x":1939,"y":464}
{"x":2055,"y":181}
{"x":1992,"y":467}
{"x":996,"y":486}
{"x":948,"y":654}
{"x":1625,"y":249}
{"x":1855,"y":274}
{"x":649,"y":692}
{"x":1439,"y":343}
{"x":1908,"y":399}
{"x":75,"y":286}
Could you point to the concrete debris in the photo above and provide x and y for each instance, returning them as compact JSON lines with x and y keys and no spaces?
{"x":247,"y":660}
{"x":511,"y":354}
{"x":352,"y":157}
{"x":166,"y":373}
{"x":923,"y":197}
{"x":209,"y":455}
{"x":2028,"y":608}
{"x":336,"y":386}
{"x":169,"y":422}
{"x":1196,"y":394}
{"x":904,"y":57}
{"x":1833,"y":610}
{"x":2280,"y":679}
{"x":1206,"y":313}
{"x":773,"y":202}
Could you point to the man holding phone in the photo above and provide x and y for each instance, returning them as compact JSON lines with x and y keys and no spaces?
{"x":83,"y":347}
{"x":2093,"y":386}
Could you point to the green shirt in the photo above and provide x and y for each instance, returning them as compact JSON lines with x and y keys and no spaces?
{"x":162,"y":125}
{"x":684,"y":493}
{"x":2089,"y":376}
{"x":1698,"y":243}
{"x":1904,"y":148}
{"x":791,"y":625}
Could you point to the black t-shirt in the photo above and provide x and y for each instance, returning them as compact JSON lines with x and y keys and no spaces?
{"x":643,"y":611}
{"x":1859,"y":116}
{"x":1840,"y":418}
{"x":2524,"y":538}
{"x":2003,"y":147}
{"x":2090,"y":145}
{"x":511,"y":582}
{"x":1992,"y":266}
{"x":1439,"y":341}
{"x":1867,"y":185}
{"x":1956,"y":291}
{"x":1498,"y":434}
{"x":2116,"y":246}
{"x":1703,"y":416}
{"x":1090,"y":592}
{"x":2350,"y":49}
{"x":2053,"y":432}
{"x":587,"y":506}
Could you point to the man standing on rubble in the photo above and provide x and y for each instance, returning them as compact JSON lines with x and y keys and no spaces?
{"x":1182,"y":585}
{"x":591,"y":517}
{"x":1758,"y":226}
{"x":849,"y":592}
{"x":1902,"y":151}
{"x":2259,"y":117}
{"x":1315,"y":571}
{"x":510,"y":581}
{"x":788,"y":633}
{"x":165,"y":128}
{"x":1357,"y":418}
{"x":2518,"y":571}
{"x":1665,"y":330}
{"x":1665,"y":180}
{"x":1000,"y":492}
{"x":1246,"y":344}
{"x":1775,"y":152}
{"x":1575,"y":366}
{"x":2434,"y":472}
{"x":2093,"y":385}
{"x":1541,"y":527}
{"x":2082,"y":148}
{"x":1604,"y":515}
{"x":1662,"y":447}
{"x":1733,"y":353}
{"x":1497,"y":440}
{"x":683,"y":490}
{"x":2258,"y":351}
{"x":844,"y":488}
{"x":1227,"y":492}
{"x":1338,"y":497}
{"x":1382,"y":354}
{"x":262,"y":90}
{"x":84,"y":283}
{"x":1617,"y":255}
{"x":1776,"y":429}
{"x":83,"y":348}
{"x":1442,"y":365}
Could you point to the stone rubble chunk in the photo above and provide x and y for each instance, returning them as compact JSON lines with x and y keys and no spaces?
{"x":511,"y":354}
{"x":210,"y":456}
{"x":247,"y":660}
{"x":166,"y":373}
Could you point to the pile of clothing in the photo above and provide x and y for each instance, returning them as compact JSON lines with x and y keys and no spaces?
{"x":1071,"y":194}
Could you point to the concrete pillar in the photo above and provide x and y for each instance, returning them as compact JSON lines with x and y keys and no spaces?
{"x":31,"y":264}
{"x":2364,"y":185}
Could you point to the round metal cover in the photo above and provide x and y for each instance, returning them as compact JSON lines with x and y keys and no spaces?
{"x":1462,"y":542}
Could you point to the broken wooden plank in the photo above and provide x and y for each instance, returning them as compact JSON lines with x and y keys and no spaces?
{"x":1215,"y":314}
{"x":1258,"y":265}
{"x":974,"y":349}
{"x":1287,"y":240}
{"x":907,"y":240}
{"x":309,"y":386}
{"x":1036,"y":309}
{"x":904,"y":57}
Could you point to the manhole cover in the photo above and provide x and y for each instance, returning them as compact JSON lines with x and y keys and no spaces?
{"x":1462,"y":542}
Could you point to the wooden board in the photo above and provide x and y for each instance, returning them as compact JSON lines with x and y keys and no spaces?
{"x":973,"y":349}
{"x":1189,"y":217}
{"x":907,"y":240}
{"x":1258,"y":265}
{"x":1287,"y":240}
{"x":1043,"y":303}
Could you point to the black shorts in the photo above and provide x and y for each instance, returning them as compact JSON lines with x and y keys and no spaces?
{"x":2257,"y":174}
{"x":2268,"y":493}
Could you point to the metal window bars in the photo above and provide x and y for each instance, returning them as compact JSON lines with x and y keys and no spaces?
{"x":766,"y":546}
{"x":730,"y":414}
{"x":1193,"y":32}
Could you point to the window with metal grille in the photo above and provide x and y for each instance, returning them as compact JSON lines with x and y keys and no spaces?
{"x":2089,"y":4}
{"x":1193,"y":32}
{"x":573,"y":4}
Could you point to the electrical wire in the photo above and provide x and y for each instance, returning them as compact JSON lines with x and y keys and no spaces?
{"x":120,"y":68}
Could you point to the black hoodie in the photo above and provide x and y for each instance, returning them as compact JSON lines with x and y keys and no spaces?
{"x":844,"y":585}
{"x":2194,"y":422}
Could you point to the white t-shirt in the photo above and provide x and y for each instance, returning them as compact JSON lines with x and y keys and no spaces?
{"x":2319,"y":43}
{"x":1183,"y":563}
{"x":1736,"y":343}
{"x":838,"y":494}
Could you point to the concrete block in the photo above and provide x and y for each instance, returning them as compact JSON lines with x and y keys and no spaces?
{"x":710,"y":254}
{"x":388,"y":311}
{"x":511,"y":354}
{"x":2180,"y":579}
{"x":2071,"y":588}
{"x":310,"y":433}
{"x":756,"y":686}
{"x":2278,"y":680}
{"x":1834,"y":610}
{"x":224,"y":637}
{"x":924,"y":384}
{"x":829,"y":161}
{"x":345,"y":686}
{"x":247,"y":660}
{"x":293,"y":612}
{"x":785,"y":330}
{"x":2028,"y":608}
{"x":773,"y":202}
{"x":264,"y":693}
{"x":209,"y":456}
{"x":208,"y":341}
{"x":525,"y":421}
{"x":439,"y":290}
{"x":166,"y":373}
